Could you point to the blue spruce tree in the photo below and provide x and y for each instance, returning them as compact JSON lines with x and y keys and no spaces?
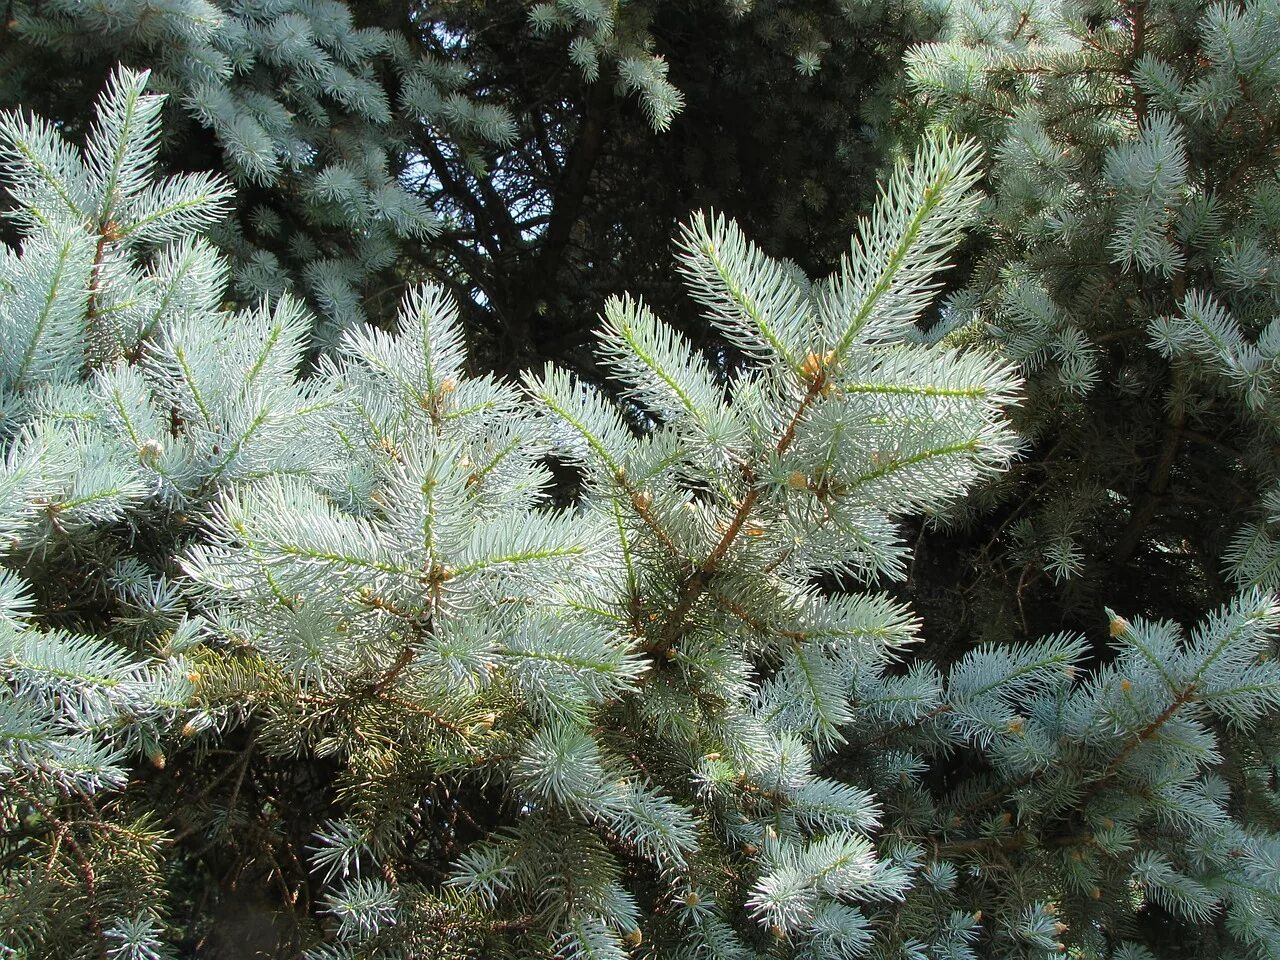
{"x":327,"y":624}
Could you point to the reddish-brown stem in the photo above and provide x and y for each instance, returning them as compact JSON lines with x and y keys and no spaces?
{"x":904,"y":727}
{"x":696,"y":584}
{"x":641,"y":507}
{"x":393,"y":673}
{"x":757,"y":624}
{"x":240,"y":774}
{"x":424,"y":712}
{"x":1181,"y":699}
{"x":62,"y":832}
{"x":1007,"y":844}
{"x":997,"y":793}
{"x":91,"y":306}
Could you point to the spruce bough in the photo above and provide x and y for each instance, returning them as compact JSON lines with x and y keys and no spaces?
{"x":327,"y":633}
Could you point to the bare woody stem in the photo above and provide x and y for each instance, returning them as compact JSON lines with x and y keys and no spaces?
{"x":1009,"y":844}
{"x":696,"y":583}
{"x":393,"y":672}
{"x":641,"y":506}
{"x":99,"y":253}
{"x":904,"y":727}
{"x":1180,"y":699}
{"x":999,"y":794}
{"x":63,"y":833}
{"x":755,"y":623}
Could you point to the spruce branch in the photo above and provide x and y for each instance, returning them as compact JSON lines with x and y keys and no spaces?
{"x":697,"y":582}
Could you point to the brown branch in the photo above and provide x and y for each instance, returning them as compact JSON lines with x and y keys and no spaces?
{"x":1180,"y":699}
{"x":572,"y":188}
{"x":62,"y":832}
{"x":105,"y":233}
{"x":981,"y":845}
{"x":240,"y":774}
{"x":997,"y":793}
{"x":91,"y":306}
{"x":909,"y":725}
{"x":393,"y":672}
{"x":697,"y":582}
{"x":757,"y":624}
{"x":454,"y":188}
{"x":1017,"y":841}
{"x":570,"y":192}
{"x":640,"y":503}
{"x":422,"y":711}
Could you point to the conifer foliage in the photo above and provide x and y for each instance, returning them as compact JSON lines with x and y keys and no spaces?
{"x":1129,"y":269}
{"x":318,"y":622}
{"x":306,"y":110}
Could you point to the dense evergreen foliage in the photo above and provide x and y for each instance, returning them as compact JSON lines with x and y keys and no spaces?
{"x":530,"y":167}
{"x":466,"y":495}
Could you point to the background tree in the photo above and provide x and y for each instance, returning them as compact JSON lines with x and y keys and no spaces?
{"x":505,"y":150}
{"x":1127,"y":265}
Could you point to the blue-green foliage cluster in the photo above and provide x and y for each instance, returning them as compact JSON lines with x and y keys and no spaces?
{"x":307,"y":107}
{"x":1131,"y":252}
{"x":642,"y":723}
